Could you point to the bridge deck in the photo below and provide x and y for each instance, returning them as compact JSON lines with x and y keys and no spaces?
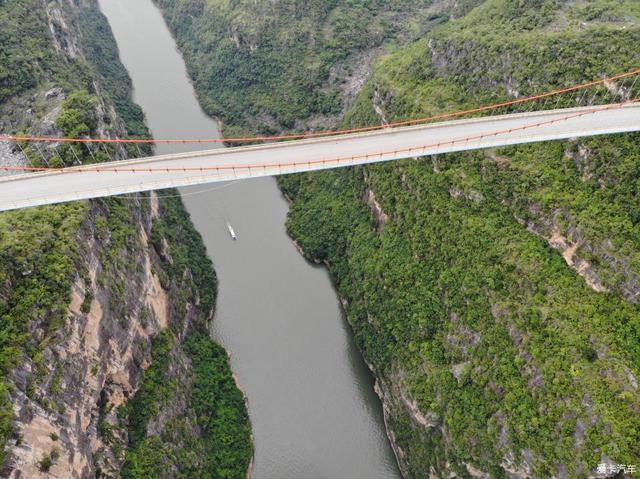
{"x":159,"y":172}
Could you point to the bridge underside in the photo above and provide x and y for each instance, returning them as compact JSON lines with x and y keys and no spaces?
{"x":154,"y":173}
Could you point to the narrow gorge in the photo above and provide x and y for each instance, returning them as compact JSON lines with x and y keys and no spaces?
{"x":311,"y":401}
{"x":464,"y":315}
{"x":494,"y":293}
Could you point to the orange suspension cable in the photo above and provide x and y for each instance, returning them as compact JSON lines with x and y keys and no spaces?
{"x":142,"y":169}
{"x":327,"y":133}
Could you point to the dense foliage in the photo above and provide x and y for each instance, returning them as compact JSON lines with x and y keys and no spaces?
{"x":499,"y":341}
{"x":40,"y":253}
{"x":187,"y":253}
{"x":198,"y":443}
{"x":154,"y":391}
{"x":37,"y":265}
{"x":456,"y":296}
{"x":38,"y":247}
{"x":101,"y":48}
{"x":211,"y":437}
{"x":226,"y":432}
{"x":263,"y":65}
{"x":26,"y":53}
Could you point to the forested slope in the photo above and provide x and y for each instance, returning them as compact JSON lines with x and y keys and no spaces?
{"x":101,"y":299}
{"x":495,"y":292}
{"x":266,"y":66}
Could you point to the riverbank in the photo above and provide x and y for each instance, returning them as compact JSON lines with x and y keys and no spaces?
{"x":97,"y":297}
{"x":311,"y":399}
{"x":457,"y":268}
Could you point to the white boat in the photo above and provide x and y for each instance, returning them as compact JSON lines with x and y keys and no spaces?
{"x":231,"y":232}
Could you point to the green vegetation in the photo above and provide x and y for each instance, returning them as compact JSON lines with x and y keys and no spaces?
{"x":49,"y":460}
{"x":26,"y":52}
{"x":454,"y":282}
{"x":29,"y":62}
{"x":39,"y":252}
{"x":456,"y":303}
{"x":586,"y":193}
{"x":186,"y":253}
{"x":261,"y":66}
{"x":101,"y":48}
{"x":502,"y":345}
{"x":211,"y":437}
{"x":41,"y":256}
{"x":227,"y":432}
{"x":154,"y":391}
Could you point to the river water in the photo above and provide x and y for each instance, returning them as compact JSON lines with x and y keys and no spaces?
{"x":313,"y":410}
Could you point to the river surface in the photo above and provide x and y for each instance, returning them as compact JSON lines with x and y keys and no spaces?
{"x":313,"y":410}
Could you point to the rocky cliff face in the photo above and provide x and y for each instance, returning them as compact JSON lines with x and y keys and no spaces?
{"x":86,"y":288}
{"x":66,"y":408}
{"x":498,"y":302}
{"x":494,"y":295}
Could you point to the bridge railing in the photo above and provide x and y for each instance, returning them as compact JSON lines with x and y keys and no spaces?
{"x":37,"y":152}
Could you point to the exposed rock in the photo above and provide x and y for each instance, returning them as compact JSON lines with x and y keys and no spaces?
{"x":351,"y":74}
{"x":451,"y":59}
{"x":529,"y":370}
{"x":503,"y":438}
{"x":180,"y":374}
{"x":581,"y":156}
{"x":379,"y":215}
{"x":579,"y":434}
{"x":63,"y":40}
{"x":154,"y":204}
{"x":378,"y":106}
{"x":462,"y":338}
{"x":562,"y":472}
{"x":99,"y":364}
{"x":56,"y":92}
{"x":94,"y":364}
{"x":568,"y":249}
{"x":10,"y":158}
{"x":501,"y":161}
{"x":435,"y":164}
{"x":470,"y":195}
{"x":633,"y":382}
{"x":428,"y":419}
{"x":620,"y":93}
{"x":572,"y":243}
{"x":515,"y":469}
{"x":460,"y":370}
{"x":535,"y":379}
{"x":475,"y":472}
{"x":582,"y":267}
{"x":67,"y":397}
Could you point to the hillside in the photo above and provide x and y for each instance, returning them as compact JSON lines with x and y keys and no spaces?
{"x":267,"y":66}
{"x":494,"y":293}
{"x":497,"y":296}
{"x":105,"y":305}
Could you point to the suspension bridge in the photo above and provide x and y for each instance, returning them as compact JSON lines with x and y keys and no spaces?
{"x":613,"y":108}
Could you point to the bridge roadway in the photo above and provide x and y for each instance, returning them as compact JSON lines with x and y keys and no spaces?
{"x":154,"y":173}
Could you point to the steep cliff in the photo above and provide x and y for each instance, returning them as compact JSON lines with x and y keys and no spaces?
{"x":103,"y":303}
{"x":264,"y":66}
{"x":495,"y":294}
{"x":498,"y":304}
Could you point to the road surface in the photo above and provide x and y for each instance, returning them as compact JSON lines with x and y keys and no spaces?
{"x":154,"y":173}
